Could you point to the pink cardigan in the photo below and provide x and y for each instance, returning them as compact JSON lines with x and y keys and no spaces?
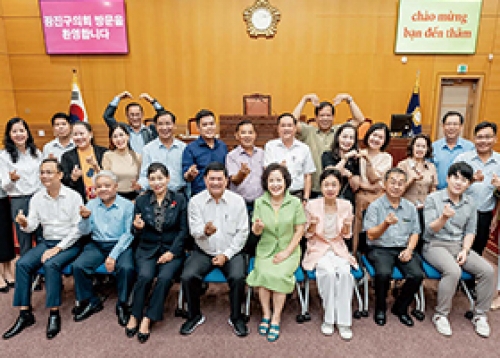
{"x":317,"y":245}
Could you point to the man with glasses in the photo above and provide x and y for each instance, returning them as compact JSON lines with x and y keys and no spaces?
{"x":446,"y":149}
{"x":56,"y":209}
{"x":140,"y":135}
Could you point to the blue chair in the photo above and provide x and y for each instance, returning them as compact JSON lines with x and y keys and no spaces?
{"x":359,"y":277}
{"x":299,"y":278}
{"x":419,"y":310}
{"x":66,"y":271}
{"x":432,"y":273}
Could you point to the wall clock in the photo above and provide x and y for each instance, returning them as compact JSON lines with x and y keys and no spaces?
{"x":261,"y":19}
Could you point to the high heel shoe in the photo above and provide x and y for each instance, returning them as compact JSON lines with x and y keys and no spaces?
{"x":143,"y":337}
{"x":130,"y":332}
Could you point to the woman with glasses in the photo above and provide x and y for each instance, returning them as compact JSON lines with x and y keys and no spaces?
{"x":123,"y":161}
{"x":83,"y":162}
{"x":19,"y":168}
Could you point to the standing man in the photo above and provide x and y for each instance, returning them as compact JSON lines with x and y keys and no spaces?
{"x":218,"y":222}
{"x":108,"y":218}
{"x":203,"y":151}
{"x":450,"y":222}
{"x":486,"y":166}
{"x":446,"y":149}
{"x":165,"y":149}
{"x":140,"y":135}
{"x":320,"y":138}
{"x":392,"y":228}
{"x":56,"y":209}
{"x":63,"y":142}
{"x":293,"y":154}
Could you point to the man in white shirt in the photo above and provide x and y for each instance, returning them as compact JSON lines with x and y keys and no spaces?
{"x":293,"y":154}
{"x":62,"y":143}
{"x":218,"y":222}
{"x":56,"y":208}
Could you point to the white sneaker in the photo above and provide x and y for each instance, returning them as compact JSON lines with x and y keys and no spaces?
{"x":442,"y":325}
{"x":345,"y":332}
{"x":482,"y":326}
{"x":327,"y":329}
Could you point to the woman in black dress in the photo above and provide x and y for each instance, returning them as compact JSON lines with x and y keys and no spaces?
{"x":7,"y":252}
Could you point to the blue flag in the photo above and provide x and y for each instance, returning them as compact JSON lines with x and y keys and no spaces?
{"x":414,"y":109}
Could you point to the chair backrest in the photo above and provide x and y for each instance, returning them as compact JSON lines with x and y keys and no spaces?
{"x":192,"y":127}
{"x":257,"y":104}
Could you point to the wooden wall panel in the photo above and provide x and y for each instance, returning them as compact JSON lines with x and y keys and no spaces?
{"x":5,"y":75}
{"x":192,"y":54}
{"x":3,"y":40}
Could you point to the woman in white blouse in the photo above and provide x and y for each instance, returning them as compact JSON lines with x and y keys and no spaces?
{"x":19,"y":172}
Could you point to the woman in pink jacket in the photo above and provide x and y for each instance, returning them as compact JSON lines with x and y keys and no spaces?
{"x":329,"y":223}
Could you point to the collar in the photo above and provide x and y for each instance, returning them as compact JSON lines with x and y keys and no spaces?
{"x":294,"y":143}
{"x":208,"y":197}
{"x":57,"y":143}
{"x":387,"y":203}
{"x":114,"y":205}
{"x":131,"y":130}
{"x":464,"y":199}
{"x":493,"y":157}
{"x":201,"y":142}
{"x":152,"y":198}
{"x":239,"y":149}
{"x":175,"y":143}
{"x":331,"y":130}
{"x":63,"y":191}
{"x":286,"y":200}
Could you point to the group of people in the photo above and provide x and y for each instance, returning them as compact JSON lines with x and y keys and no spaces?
{"x":152,"y":209}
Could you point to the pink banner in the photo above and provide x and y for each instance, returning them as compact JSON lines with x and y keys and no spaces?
{"x":84,"y":26}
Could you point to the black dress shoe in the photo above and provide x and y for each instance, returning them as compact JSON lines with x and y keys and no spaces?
{"x":23,"y":321}
{"x":123,"y":315}
{"x":143,"y":337}
{"x":88,"y":310}
{"x":130,"y":332}
{"x":53,"y":325}
{"x":239,"y":327}
{"x":11,"y":284}
{"x":404,"y":318}
{"x":379,"y":317}
{"x":190,"y":325}
{"x":5,"y":289}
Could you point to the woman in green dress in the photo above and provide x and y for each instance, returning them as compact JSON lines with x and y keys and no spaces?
{"x":279,"y":220}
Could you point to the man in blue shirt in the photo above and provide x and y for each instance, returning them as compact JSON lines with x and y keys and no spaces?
{"x":486,"y":165}
{"x":140,"y":135}
{"x":450,"y":146}
{"x":108,"y":218}
{"x":203,"y":151}
{"x":165,"y":149}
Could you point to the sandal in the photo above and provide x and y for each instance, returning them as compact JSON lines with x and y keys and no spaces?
{"x":264,"y":326}
{"x":274,"y":333}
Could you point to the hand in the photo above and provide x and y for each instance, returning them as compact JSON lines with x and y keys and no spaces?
{"x":313,"y":220}
{"x":219,"y":260}
{"x":166,"y":257}
{"x":76,"y":173}
{"x":280,"y":257}
{"x":258,"y":226}
{"x":138,"y":222}
{"x":405,"y":255}
{"x":347,"y":226}
{"x":110,"y":264}
{"x":52,"y":156}
{"x":50,"y":253}
{"x":495,"y":181}
{"x":14,"y":176}
{"x":21,"y":219}
{"x":84,"y":212}
{"x":313,"y":98}
{"x":192,"y":172}
{"x":283,"y":163}
{"x":494,"y":224}
{"x":123,"y":95}
{"x":91,"y":161}
{"x":341,"y":97}
{"x":210,"y":229}
{"x":245,"y":169}
{"x":346,"y":173}
{"x":448,"y":211}
{"x":147,"y":97}
{"x":391,"y":219}
{"x":462,"y":257}
{"x":478,"y":176}
{"x":136,"y":186}
{"x":415,"y":175}
{"x":363,"y":153}
{"x":351,"y":154}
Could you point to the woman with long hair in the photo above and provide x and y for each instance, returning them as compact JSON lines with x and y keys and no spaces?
{"x":123,"y":161}
{"x":19,"y":173}
{"x":373,"y":163}
{"x":343,"y":156}
{"x":83,"y":162}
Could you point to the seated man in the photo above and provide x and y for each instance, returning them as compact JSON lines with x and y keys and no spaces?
{"x":108,"y":218}
{"x":450,"y":227}
{"x":218,"y":222}
{"x":55,"y":208}
{"x":392,"y":227}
